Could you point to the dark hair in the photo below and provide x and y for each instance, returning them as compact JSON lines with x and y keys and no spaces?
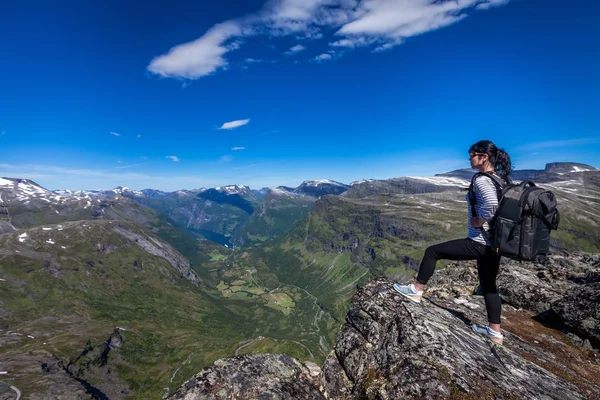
{"x":498,"y":157}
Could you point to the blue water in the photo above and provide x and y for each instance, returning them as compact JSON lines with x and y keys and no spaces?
{"x":216,"y":237}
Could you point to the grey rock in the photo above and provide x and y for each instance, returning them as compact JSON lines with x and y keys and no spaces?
{"x":580,"y":309}
{"x":393,"y":348}
{"x":263,"y":376}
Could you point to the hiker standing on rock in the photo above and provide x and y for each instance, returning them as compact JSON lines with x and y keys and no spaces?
{"x":485,"y":157}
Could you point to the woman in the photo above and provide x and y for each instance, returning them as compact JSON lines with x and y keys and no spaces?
{"x":485,"y":157}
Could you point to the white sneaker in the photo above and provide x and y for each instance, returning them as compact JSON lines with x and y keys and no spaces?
{"x":409,"y":291}
{"x":494,"y":336}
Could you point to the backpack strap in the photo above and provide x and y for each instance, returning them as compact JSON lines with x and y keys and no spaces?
{"x":495,"y":180}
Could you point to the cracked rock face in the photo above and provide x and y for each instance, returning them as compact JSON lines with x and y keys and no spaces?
{"x":261,"y":376}
{"x":393,"y":348}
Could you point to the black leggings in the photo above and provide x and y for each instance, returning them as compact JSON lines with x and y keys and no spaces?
{"x":488,"y":264}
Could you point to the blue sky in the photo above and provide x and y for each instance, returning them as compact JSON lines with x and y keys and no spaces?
{"x":184,"y":94}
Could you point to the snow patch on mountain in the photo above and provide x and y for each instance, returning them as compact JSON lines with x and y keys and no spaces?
{"x":579,"y":169}
{"x":319,"y":182}
{"x":281,"y":192}
{"x":233,"y":189}
{"x":361,"y":181}
{"x":442,"y":180}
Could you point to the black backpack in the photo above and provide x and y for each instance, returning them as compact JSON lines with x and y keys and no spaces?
{"x":520,"y":228}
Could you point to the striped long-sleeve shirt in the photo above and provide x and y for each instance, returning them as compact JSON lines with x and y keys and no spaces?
{"x":486,"y":203}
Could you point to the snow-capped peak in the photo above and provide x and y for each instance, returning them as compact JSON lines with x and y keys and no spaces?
{"x":233,"y":189}
{"x":322,"y":182}
{"x":361,"y":181}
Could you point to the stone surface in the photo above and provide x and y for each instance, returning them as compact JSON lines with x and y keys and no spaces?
{"x":263,"y":376}
{"x":393,"y":348}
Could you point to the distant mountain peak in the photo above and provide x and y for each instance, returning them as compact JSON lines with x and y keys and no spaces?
{"x":322,"y":182}
{"x":320,"y":187}
{"x":361,"y":181}
{"x":233,"y":189}
{"x":566,"y":167}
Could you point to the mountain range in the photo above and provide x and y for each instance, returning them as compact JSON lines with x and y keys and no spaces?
{"x":134,"y":269}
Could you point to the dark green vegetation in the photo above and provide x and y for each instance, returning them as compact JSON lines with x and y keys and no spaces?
{"x":273,"y":217}
{"x":69,"y":284}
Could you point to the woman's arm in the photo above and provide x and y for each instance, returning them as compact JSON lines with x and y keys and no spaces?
{"x":486,"y":208}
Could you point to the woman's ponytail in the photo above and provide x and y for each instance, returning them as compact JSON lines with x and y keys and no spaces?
{"x":503,"y":165}
{"x":498,"y":158}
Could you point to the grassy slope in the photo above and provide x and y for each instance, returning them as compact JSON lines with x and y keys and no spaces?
{"x":65,"y":297}
{"x":344,"y":242}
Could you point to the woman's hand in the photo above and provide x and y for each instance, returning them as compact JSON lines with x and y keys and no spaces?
{"x":477,"y":222}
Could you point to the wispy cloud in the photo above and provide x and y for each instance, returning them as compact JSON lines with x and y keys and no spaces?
{"x":323,"y":57}
{"x":557,"y":144}
{"x":295,"y":49}
{"x":55,"y":177}
{"x":139,"y":136}
{"x":235,"y":124}
{"x":381,"y":24}
{"x":238,"y":148}
{"x":2,"y":133}
{"x":114,"y":133}
{"x":131,"y":166}
{"x":254,"y":60}
{"x":174,"y":158}
{"x":227,"y":158}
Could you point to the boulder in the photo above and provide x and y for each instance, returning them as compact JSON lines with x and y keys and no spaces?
{"x":261,"y":376}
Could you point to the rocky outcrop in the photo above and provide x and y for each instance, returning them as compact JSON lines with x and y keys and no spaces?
{"x":391,"y":348}
{"x":161,"y":249}
{"x":263,"y":376}
{"x":564,"y":291}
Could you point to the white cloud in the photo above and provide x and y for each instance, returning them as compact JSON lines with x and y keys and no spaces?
{"x":295,"y":49}
{"x":235,"y":124}
{"x":253,"y":60}
{"x":238,"y":148}
{"x":323,"y":57}
{"x":492,"y":3}
{"x":115,"y":134}
{"x":226,"y":158}
{"x":382,"y":24}
{"x":200,"y":57}
{"x":174,"y":158}
{"x":130,"y":166}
